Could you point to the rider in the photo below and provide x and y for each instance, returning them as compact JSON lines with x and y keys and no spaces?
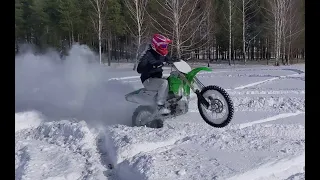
{"x":150,"y":68}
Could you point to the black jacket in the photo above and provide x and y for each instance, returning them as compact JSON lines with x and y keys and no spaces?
{"x":150,"y":65}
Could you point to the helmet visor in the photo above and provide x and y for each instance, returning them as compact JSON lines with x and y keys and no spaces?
{"x":164,"y":46}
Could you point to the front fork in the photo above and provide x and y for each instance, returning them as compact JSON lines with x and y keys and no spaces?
{"x":198,"y":93}
{"x":202,"y":99}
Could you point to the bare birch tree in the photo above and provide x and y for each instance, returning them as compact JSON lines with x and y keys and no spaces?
{"x":294,"y":27}
{"x":97,"y":21}
{"x":278,"y":10}
{"x":248,"y":12}
{"x":230,"y":30}
{"x":209,"y":29}
{"x":184,"y":19}
{"x":229,"y":21}
{"x":137,"y":10}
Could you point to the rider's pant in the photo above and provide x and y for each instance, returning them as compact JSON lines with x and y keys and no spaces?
{"x":160,"y":85}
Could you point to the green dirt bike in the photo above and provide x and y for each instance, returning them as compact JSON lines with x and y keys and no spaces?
{"x":213,"y":101}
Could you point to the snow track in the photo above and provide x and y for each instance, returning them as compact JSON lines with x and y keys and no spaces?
{"x":273,"y":118}
{"x":279,"y":169}
{"x":204,"y":153}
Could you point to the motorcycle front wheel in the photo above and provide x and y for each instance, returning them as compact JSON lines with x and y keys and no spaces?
{"x":221,"y":110}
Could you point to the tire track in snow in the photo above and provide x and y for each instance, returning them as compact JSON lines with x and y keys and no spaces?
{"x":272,"y":118}
{"x":265,"y":92}
{"x":279,"y":169}
{"x":265,"y":81}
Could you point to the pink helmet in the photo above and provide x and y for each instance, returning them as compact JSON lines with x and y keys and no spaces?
{"x":160,"y":44}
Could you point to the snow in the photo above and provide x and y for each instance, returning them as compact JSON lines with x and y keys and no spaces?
{"x":203,"y":152}
{"x":57,"y":150}
{"x":85,"y":135}
{"x":29,"y":119}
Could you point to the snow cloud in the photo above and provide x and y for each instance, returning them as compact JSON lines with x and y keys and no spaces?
{"x":76,"y":87}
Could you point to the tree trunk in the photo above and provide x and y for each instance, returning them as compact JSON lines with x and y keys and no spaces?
{"x":275,"y":40}
{"x":72,"y":34}
{"x":99,"y":36}
{"x":290,"y":38}
{"x":233,"y":54}
{"x":284,"y":48}
{"x":230,"y":21}
{"x":70,"y":39}
{"x":243,"y":32}
{"x":109,"y":40}
{"x":254,"y":48}
{"x":127,"y":49}
{"x":137,"y":52}
{"x":267,"y":50}
{"x":217,"y":53}
{"x":139,"y":34}
{"x":121,"y":49}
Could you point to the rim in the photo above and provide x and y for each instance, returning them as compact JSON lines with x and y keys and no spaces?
{"x":142,"y":118}
{"x":218,"y":110}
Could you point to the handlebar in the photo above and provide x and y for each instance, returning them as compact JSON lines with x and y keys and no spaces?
{"x":173,"y":60}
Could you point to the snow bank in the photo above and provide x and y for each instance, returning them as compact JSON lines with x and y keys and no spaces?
{"x":201,"y":152}
{"x":59,"y":150}
{"x":123,"y":144}
{"x":41,"y":160}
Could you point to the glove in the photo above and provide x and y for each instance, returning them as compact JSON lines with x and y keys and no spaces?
{"x":158,"y":65}
{"x":170,"y":60}
{"x":175,"y":59}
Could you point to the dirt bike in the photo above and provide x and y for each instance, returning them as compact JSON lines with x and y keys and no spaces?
{"x":180,"y":81}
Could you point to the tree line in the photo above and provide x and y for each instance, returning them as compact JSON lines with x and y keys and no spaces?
{"x":210,"y":30}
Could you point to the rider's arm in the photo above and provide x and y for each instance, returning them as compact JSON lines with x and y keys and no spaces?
{"x":167,"y":59}
{"x":142,"y":64}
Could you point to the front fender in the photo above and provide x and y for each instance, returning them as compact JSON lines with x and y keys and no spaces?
{"x":195,"y":71}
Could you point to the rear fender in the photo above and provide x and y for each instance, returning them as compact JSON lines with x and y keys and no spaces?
{"x":141,"y":96}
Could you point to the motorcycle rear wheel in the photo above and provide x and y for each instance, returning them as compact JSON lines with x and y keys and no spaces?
{"x":140,"y":116}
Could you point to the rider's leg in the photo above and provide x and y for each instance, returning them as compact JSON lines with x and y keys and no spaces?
{"x":160,"y":85}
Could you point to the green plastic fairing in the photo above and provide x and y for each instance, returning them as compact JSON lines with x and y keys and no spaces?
{"x":195,"y":71}
{"x":175,"y":83}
